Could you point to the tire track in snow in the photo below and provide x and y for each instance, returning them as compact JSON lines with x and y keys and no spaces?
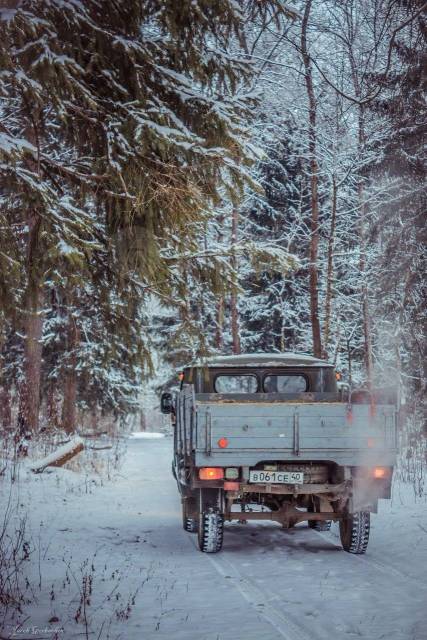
{"x":386,"y":569}
{"x":253,"y":594}
{"x":392,"y":571}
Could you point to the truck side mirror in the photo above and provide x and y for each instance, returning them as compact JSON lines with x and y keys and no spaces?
{"x":166,"y":403}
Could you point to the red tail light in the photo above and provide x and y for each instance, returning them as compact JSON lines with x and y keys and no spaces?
{"x":381,"y":472}
{"x":231,"y":486}
{"x":211,"y":473}
{"x":223,"y":443}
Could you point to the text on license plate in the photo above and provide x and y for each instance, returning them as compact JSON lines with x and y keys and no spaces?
{"x":280,"y":477}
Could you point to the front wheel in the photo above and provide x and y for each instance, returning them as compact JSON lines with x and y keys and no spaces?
{"x":354,"y":532}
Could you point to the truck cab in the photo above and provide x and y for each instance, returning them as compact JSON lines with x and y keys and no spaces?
{"x":258,"y":374}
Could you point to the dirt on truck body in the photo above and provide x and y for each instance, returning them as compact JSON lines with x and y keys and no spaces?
{"x":271,"y":436}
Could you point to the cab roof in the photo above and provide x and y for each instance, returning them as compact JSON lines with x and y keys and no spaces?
{"x":263,"y":360}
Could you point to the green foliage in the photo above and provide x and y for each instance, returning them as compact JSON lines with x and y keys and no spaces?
{"x":123,"y":121}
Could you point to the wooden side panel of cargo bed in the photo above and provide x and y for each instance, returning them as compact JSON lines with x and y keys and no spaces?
{"x":295,"y":428}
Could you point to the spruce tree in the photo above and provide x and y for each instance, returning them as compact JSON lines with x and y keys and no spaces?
{"x":401,"y":227}
{"x":121,"y":118}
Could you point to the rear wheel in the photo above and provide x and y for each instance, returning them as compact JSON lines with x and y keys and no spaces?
{"x":320,"y":525}
{"x":189,"y":514}
{"x":354,"y":532}
{"x":211,"y":520}
{"x":211,"y":532}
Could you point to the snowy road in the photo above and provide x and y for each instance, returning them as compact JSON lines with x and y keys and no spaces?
{"x":267,"y":583}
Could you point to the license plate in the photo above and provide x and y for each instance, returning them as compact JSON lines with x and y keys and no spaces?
{"x":276,"y":477}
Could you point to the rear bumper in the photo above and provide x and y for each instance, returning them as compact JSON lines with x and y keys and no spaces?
{"x":297,"y":489}
{"x":285,"y":516}
{"x":360,"y":494}
{"x":278,"y":489}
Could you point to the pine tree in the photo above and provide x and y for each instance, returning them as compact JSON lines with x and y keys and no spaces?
{"x":401,"y":229}
{"x":272,"y":310}
{"x":119,"y":117}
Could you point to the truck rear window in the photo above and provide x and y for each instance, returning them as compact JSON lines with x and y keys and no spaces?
{"x":236,"y":384}
{"x":285,"y":384}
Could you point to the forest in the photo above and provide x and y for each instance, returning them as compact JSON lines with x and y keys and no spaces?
{"x":185,"y":179}
{"x":196,"y":179}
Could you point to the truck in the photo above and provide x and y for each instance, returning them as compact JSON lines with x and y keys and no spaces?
{"x":278,"y":437}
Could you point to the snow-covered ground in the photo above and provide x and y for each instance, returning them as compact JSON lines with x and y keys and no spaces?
{"x":120,"y":544}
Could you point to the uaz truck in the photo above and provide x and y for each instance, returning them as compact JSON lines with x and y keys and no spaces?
{"x":273,"y":436}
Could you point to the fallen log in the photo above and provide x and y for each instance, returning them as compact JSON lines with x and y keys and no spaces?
{"x":107,"y":446}
{"x":59,"y":457}
{"x":92,"y":434}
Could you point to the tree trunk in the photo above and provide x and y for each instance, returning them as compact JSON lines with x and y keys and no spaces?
{"x":142,"y":421}
{"x":6,"y":406}
{"x":366,"y":318}
{"x":52,"y":409}
{"x":220,"y":306}
{"x":282,"y":332}
{"x":235,"y":330}
{"x":330,"y":270}
{"x":94,"y":419}
{"x":69,"y":407}
{"x":314,"y":196}
{"x":29,"y":402}
{"x":219,"y":331}
{"x":30,"y":389}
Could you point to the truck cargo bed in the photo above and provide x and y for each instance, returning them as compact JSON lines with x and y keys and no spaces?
{"x":288,"y":430}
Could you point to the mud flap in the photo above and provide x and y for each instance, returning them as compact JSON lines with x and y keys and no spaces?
{"x":365,"y":495}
